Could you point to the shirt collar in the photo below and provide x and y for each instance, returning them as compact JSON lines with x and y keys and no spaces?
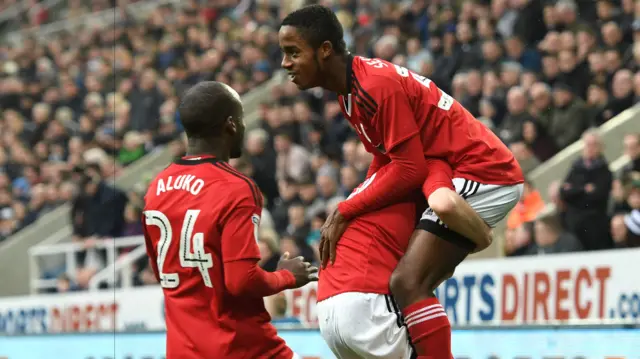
{"x":349,"y":72}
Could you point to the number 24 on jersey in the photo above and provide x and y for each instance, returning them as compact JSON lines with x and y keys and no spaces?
{"x":192,"y":254}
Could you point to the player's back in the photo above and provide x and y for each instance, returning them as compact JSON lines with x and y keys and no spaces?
{"x":447,"y":129}
{"x":187,"y":206}
{"x":370,"y":249}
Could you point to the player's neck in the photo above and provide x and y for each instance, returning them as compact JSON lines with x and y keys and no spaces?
{"x":337,"y":79}
{"x":201,"y":148}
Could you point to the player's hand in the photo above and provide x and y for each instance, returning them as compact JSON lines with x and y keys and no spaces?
{"x":303,"y":271}
{"x":330,"y":234}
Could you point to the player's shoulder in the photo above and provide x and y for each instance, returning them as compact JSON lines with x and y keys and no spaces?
{"x":376,"y":76}
{"x":220,"y":179}
{"x":240,"y":188}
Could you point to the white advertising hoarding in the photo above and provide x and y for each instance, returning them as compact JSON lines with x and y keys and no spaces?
{"x":596,"y":287}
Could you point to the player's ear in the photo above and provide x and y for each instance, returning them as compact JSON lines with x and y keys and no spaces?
{"x":231,"y":125}
{"x":326,"y":49}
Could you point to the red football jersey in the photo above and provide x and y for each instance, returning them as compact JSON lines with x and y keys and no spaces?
{"x":201,"y":213}
{"x":369,"y":249}
{"x":388,"y":104}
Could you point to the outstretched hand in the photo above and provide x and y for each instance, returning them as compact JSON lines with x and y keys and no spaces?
{"x":330,"y":233}
{"x":303,"y":271}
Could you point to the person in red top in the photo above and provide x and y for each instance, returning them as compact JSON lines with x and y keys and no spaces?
{"x":201,"y":221}
{"x":357,"y":315}
{"x":420,"y":137}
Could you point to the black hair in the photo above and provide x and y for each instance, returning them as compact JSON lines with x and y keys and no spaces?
{"x":318,"y":24}
{"x":205,"y":107}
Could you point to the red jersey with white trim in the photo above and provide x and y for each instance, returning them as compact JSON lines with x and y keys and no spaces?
{"x":370,"y":249}
{"x":199,"y":214}
{"x":388,"y":104}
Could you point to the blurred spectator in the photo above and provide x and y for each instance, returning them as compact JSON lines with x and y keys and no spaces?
{"x":625,"y":230}
{"x":292,"y":160}
{"x":519,"y":240}
{"x":585,"y":192}
{"x":625,"y":179}
{"x":632,"y":221}
{"x":541,"y":104}
{"x":263,"y":161}
{"x":269,"y":252}
{"x":570,"y":117}
{"x":530,"y":205}
{"x":511,"y":128}
{"x":538,"y":140}
{"x":523,"y":153}
{"x":549,"y":238}
{"x":98,"y":211}
{"x":622,"y":94}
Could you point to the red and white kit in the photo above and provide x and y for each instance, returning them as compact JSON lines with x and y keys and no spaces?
{"x":388,"y":105}
{"x":201,"y":221}
{"x":356,"y":313}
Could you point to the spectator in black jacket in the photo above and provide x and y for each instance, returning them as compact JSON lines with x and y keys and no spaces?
{"x":98,"y":211}
{"x":585,"y":192}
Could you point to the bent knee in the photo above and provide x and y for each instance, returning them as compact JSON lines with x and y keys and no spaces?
{"x":443,"y":201}
{"x":403,"y":283}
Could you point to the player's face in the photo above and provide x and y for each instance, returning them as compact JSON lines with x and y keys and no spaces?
{"x":299,"y":59}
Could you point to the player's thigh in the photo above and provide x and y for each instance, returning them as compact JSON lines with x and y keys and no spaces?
{"x":430,"y":259}
{"x":491,"y":202}
{"x":329,"y":312}
{"x":368,"y":326}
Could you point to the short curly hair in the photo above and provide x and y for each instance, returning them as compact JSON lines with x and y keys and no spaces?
{"x":318,"y":24}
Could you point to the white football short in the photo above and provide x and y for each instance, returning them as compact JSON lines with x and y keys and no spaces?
{"x":491,"y":202}
{"x":364,"y":325}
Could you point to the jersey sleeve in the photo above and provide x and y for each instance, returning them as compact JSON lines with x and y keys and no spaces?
{"x":394,"y":119}
{"x":377,"y":163}
{"x":240,"y":228}
{"x":405,"y":173}
{"x":439,"y":175}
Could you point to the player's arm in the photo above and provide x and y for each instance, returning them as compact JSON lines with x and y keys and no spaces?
{"x":240,"y":254}
{"x":376,"y":164}
{"x":406,"y":171}
{"x":450,"y":207}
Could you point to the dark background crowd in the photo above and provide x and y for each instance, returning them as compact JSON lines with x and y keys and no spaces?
{"x":76,"y":110}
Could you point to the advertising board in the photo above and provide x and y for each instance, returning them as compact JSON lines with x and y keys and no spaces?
{"x":596,"y":287}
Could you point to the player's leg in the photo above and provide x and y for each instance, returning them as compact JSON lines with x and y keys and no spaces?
{"x":428,"y":261}
{"x":457,"y":214}
{"x":433,"y":254}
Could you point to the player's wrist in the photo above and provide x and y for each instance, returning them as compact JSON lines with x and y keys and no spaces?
{"x":344,"y":209}
{"x":287,"y":278}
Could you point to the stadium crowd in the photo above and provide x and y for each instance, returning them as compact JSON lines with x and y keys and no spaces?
{"x":538,"y":73}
